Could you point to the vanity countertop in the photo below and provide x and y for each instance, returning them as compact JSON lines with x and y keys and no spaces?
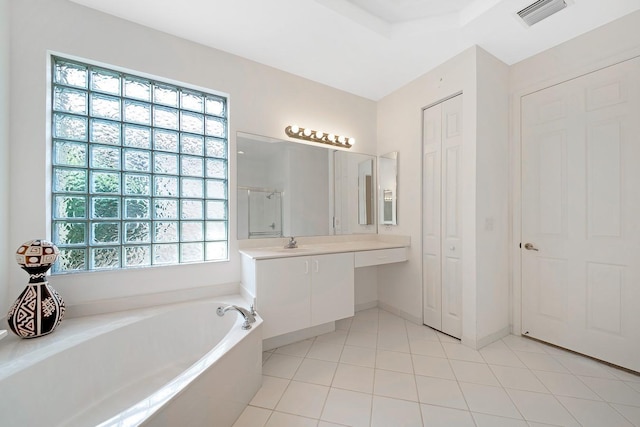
{"x":320,"y":249}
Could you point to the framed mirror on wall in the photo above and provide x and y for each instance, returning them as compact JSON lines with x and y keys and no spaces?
{"x":287,"y":188}
{"x":388,"y":188}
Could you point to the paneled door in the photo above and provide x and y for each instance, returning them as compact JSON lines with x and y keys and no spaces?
{"x":441,"y":222}
{"x":581,"y":214}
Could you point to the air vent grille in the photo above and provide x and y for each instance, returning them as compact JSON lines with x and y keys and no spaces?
{"x":540,"y":10}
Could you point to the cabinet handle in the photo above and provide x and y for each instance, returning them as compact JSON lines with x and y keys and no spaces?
{"x":317,"y":263}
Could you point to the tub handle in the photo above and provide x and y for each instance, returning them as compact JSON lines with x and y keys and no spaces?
{"x":249,"y":316}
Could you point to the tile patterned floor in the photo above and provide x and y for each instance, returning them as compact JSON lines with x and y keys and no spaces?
{"x":379,"y":370}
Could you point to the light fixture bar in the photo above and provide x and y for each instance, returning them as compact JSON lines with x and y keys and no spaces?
{"x":540,"y":10}
{"x":319,"y":137}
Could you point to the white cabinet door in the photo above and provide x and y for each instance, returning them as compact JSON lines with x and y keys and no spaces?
{"x":283,"y":294}
{"x":581,"y":214}
{"x":332,"y":288}
{"x":442,"y":227}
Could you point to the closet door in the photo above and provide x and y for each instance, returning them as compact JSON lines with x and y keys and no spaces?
{"x":442,"y":237}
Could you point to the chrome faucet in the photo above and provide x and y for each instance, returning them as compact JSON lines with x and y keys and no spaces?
{"x":248,"y":315}
{"x":292,"y":243}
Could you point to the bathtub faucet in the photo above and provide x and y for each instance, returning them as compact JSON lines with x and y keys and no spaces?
{"x":249,"y":316}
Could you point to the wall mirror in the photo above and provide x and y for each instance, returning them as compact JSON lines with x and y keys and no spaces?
{"x":388,"y":189}
{"x":293,"y":189}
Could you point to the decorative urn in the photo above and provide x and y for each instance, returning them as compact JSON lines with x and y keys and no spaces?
{"x":39,"y":309}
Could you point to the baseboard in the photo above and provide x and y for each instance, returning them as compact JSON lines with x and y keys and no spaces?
{"x":401,"y":313}
{"x":477,"y":344}
{"x":302,"y":334}
{"x":366,"y":305}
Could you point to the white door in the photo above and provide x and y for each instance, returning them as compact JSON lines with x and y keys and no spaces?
{"x":581,"y":214}
{"x":442,"y":236}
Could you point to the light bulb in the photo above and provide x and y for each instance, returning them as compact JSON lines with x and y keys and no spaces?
{"x":307,"y":132}
{"x":342,"y":139}
{"x":319,"y":135}
{"x":352,"y":141}
{"x":331,"y":137}
{"x":295,"y":129}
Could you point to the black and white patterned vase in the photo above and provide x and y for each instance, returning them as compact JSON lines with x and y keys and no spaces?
{"x":39,"y":308}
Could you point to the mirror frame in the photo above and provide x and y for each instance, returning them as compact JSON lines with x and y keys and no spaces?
{"x":388,"y":188}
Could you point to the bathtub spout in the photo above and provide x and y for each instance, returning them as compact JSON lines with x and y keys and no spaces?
{"x":249,"y":316}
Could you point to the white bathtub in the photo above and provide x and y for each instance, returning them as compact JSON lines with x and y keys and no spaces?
{"x":175,"y":365}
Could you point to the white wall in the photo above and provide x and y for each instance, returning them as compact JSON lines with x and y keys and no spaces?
{"x":483,"y":80}
{"x":263,"y":101}
{"x":400,"y":129}
{"x":5,"y":259}
{"x":492,"y":201}
{"x":602,"y":47}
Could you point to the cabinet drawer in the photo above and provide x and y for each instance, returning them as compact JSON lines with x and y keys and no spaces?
{"x":381,"y":256}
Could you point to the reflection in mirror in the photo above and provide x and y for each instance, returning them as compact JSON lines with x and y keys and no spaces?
{"x":353,"y":209}
{"x":388,"y":198}
{"x":294,"y":189}
{"x":365,"y":192}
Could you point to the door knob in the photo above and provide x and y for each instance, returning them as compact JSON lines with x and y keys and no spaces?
{"x":530,"y":247}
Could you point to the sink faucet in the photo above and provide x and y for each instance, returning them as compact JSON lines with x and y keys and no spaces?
{"x":249,"y":316}
{"x":292,"y":243}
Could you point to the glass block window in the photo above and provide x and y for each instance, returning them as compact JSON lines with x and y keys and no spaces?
{"x":139,"y":170}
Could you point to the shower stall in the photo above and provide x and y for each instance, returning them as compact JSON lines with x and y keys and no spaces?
{"x":260,"y":212}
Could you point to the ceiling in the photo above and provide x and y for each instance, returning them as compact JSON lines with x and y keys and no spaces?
{"x":366,"y":47}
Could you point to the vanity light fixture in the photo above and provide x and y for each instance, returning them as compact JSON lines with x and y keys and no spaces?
{"x":320,"y":137}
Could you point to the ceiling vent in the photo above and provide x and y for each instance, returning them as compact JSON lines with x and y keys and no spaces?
{"x":540,"y":10}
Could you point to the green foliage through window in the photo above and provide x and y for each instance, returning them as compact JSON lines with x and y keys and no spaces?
{"x":139,"y":170}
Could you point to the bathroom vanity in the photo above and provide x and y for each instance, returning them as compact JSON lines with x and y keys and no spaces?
{"x":311,"y":285}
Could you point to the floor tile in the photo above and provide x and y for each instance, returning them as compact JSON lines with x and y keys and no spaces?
{"x":614,"y":391}
{"x":253,"y":417}
{"x":266,"y":355}
{"x":440,"y":392}
{"x":368,"y":326}
{"x":420,"y":332}
{"x":426,"y":347}
{"x":471,"y":372}
{"x":328,"y":424}
{"x":353,"y":377}
{"x":347,"y":407}
{"x":270,"y":393}
{"x":458,"y":351}
{"x":446,"y":338}
{"x":543,"y":408}
{"x":360,"y":356}
{"x":623,"y":375}
{"x":489,"y":400}
{"x":368,"y":314}
{"x":394,"y":412}
{"x":565,"y":385}
{"x":316,"y":371}
{"x":541,"y":362}
{"x":518,"y":378}
{"x":593,"y":414}
{"x":337,"y":337}
{"x":437,"y":416}
{"x":303,"y":399}
{"x":299,"y":349}
{"x":279,"y":419}
{"x":485,"y":420}
{"x":281,"y":365}
{"x":633,"y":385}
{"x":520,"y":343}
{"x":394,"y":361}
{"x":432,"y":367}
{"x":324,"y":351}
{"x":362,"y":339}
{"x":393,"y":341}
{"x":584,"y":366}
{"x":631,"y":413}
{"x":501,"y":357}
{"x":395,"y":384}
